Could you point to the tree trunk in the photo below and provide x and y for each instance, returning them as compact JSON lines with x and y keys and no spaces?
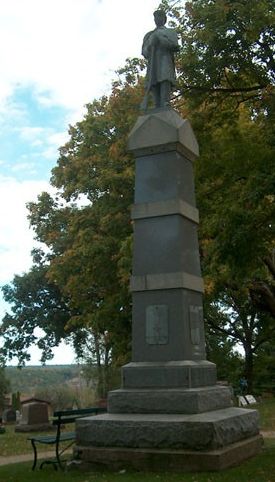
{"x":248,"y":366}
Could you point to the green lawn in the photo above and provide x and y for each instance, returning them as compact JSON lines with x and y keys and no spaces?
{"x":258,"y":469}
{"x":267,"y":414}
{"x":12,"y":443}
{"x":16,"y":443}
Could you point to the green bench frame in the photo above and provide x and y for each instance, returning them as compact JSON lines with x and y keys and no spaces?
{"x":61,"y":418}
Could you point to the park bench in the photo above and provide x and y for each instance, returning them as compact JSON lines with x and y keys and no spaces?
{"x":60,"y":419}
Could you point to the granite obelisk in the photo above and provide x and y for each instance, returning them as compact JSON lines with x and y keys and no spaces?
{"x":169,"y":413}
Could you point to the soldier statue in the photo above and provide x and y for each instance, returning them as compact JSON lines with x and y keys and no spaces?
{"x":158,"y":48}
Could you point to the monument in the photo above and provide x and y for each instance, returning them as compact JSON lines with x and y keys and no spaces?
{"x":169,"y":413}
{"x":34,"y":417}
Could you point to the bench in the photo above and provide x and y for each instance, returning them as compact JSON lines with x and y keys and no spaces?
{"x":60,"y":419}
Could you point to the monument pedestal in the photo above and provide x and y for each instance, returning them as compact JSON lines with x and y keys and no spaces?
{"x":168,"y":460}
{"x":169,"y":413}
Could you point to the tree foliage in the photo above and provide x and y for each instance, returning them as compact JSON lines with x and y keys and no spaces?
{"x":79,"y":286}
{"x":36,"y":303}
{"x":226,"y":89}
{"x":228,"y":48}
{"x":4,"y":386}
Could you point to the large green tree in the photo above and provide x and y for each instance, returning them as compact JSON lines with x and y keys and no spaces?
{"x":4,"y":387}
{"x":87,"y":230}
{"x":226,"y":89}
{"x":36,"y":303}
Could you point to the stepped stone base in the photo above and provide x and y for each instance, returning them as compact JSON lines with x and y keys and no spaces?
{"x":188,"y":401}
{"x":174,"y":374}
{"x":207,"y":431}
{"x":117,"y":458}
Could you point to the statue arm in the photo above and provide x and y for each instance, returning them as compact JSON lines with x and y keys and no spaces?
{"x":147,"y":44}
{"x":168,"y":38}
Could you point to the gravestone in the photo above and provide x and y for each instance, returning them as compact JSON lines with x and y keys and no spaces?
{"x":9,"y":415}
{"x":242,"y":401}
{"x":251,"y":400}
{"x":34,"y":417}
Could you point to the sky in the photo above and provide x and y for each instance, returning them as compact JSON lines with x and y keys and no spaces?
{"x":55,"y":57}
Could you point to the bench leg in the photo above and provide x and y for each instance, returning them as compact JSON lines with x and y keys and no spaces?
{"x":34,"y":453}
{"x":53,"y":462}
{"x":57,"y":455}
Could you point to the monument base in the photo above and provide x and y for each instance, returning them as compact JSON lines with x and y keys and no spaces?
{"x":172,"y":374}
{"x":202,"y":431}
{"x":117,"y":458}
{"x":170,"y":400}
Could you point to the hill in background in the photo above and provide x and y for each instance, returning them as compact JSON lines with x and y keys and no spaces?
{"x":31,"y":378}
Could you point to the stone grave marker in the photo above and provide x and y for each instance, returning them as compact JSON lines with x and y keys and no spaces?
{"x":9,"y":415}
{"x":250,"y":399}
{"x":34,"y":417}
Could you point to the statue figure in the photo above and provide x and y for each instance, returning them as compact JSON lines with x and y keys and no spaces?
{"x":158,"y":48}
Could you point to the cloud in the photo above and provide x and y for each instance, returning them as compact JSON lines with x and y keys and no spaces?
{"x":30,"y":133}
{"x":44,"y":137}
{"x":17,"y":238}
{"x":67,"y":49}
{"x":56,"y":56}
{"x":24,"y":166}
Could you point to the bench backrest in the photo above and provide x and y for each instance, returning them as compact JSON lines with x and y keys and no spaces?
{"x":70,"y":416}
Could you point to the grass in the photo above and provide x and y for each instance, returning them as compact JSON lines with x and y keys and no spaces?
{"x":258,"y":469}
{"x":17,"y":443}
{"x":12,"y":443}
{"x":267,"y":414}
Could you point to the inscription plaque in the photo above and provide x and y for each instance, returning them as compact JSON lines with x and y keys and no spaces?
{"x":195,"y":318}
{"x":157,"y":324}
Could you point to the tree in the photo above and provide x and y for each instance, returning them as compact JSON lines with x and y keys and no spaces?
{"x":226,"y":69}
{"x":86,"y":262}
{"x":233,"y":315}
{"x":35,"y":303}
{"x":4,"y":386}
{"x":221,"y":348}
{"x":88,"y":244}
{"x":225,"y":51}
{"x":228,"y":49}
{"x":264,"y":371}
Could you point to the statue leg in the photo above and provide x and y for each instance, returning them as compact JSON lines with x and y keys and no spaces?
{"x":156,"y":95}
{"x":165,"y":93}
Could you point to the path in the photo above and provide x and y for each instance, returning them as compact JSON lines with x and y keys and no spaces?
{"x":16,"y":459}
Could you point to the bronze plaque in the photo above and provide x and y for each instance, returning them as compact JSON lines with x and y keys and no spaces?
{"x":196,"y":318}
{"x":157,"y":325}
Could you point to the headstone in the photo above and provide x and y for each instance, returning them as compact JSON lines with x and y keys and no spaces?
{"x":250,"y":399}
{"x":34,"y":417}
{"x":9,"y":415}
{"x":242,"y":401}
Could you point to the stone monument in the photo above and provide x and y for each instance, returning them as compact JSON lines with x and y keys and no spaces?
{"x":34,"y":418}
{"x":169,"y":414}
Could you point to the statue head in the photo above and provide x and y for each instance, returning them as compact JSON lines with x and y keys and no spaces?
{"x":160,"y":18}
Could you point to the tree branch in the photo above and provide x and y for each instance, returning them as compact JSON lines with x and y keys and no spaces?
{"x":225,"y":89}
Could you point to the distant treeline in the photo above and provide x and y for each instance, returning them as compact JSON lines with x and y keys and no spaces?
{"x":29,"y":379}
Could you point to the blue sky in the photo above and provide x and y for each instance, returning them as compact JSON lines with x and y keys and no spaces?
{"x":29,"y":136}
{"x":55,"y":57}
